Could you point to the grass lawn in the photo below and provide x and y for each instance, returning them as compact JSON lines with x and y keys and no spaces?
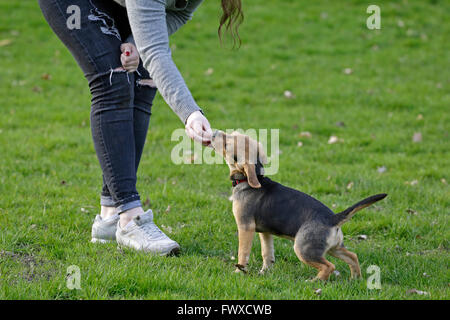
{"x":383,"y":85}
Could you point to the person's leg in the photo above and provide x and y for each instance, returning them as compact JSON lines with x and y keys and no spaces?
{"x":144,"y":93}
{"x":107,"y":205}
{"x":120,"y":17}
{"x":96,"y":47}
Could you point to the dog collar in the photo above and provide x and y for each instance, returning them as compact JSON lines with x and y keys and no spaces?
{"x":238,"y":177}
{"x":235,"y":182}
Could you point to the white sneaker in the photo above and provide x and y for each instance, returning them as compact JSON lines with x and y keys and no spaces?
{"x":141,"y":233}
{"x":104,"y":230}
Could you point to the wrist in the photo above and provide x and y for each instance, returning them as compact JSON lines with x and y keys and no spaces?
{"x":193,"y":114}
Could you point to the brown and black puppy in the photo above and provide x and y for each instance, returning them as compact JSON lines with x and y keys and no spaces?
{"x":264,"y":206}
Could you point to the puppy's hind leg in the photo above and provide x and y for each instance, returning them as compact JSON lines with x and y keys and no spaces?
{"x":348,"y":257}
{"x":313,"y":255}
{"x":267,"y":251}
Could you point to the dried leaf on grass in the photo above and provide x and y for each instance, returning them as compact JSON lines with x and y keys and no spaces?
{"x":288,"y":94}
{"x":418,"y":292}
{"x":381,"y":169}
{"x":5,"y":42}
{"x":417,"y":137}
{"x":334,"y":139}
{"x":305,"y":134}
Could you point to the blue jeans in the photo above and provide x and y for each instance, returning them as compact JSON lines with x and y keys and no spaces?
{"x":121,"y":101}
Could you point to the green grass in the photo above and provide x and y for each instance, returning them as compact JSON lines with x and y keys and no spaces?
{"x":301,"y":46}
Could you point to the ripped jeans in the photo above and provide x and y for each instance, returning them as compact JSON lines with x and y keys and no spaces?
{"x":121,"y":101}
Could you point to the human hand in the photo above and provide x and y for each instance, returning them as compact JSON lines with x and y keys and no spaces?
{"x":198,"y":128}
{"x":129,"y":57}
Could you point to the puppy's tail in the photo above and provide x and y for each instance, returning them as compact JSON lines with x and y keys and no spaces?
{"x":344,"y":216}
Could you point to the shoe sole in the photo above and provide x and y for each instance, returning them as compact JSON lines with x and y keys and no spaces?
{"x":96,"y":240}
{"x":172,"y":253}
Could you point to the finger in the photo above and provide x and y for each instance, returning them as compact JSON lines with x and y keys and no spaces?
{"x":130,"y":64}
{"x":189,"y":132}
{"x":127,"y":47}
{"x":207,"y":126}
{"x":128,"y":60}
{"x":123,"y":60}
{"x":127,"y":53}
{"x":207,"y":135}
{"x":134,"y":54}
{"x":196,"y":137}
{"x":130,"y":69}
{"x":198,"y":128}
{"x":135,"y":62}
{"x":193,"y":135}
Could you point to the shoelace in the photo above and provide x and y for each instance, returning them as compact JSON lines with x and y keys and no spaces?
{"x":153,"y":231}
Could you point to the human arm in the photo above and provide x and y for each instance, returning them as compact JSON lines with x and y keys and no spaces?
{"x":175,"y":19}
{"x":149,"y":27}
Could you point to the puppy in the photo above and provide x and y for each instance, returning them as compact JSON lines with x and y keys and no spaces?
{"x":269,"y":208}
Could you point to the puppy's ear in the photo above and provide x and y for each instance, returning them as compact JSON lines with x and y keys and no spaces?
{"x":250,"y":172}
{"x":261,"y":155}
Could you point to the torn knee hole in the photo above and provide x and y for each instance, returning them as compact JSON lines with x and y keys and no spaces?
{"x":146,"y":83}
{"x":117,"y":70}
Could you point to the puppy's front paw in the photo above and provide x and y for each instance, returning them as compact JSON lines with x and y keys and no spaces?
{"x":265,"y":268}
{"x":267,"y":265}
{"x":240,"y":269}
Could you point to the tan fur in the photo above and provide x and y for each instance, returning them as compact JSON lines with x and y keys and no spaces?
{"x":250,"y":172}
{"x":246,"y":232}
{"x":348,"y":257}
{"x":352,"y":213}
{"x":245,"y":248}
{"x":240,"y":153}
{"x":324,"y":267}
{"x":267,"y":251}
{"x":335,"y":238}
